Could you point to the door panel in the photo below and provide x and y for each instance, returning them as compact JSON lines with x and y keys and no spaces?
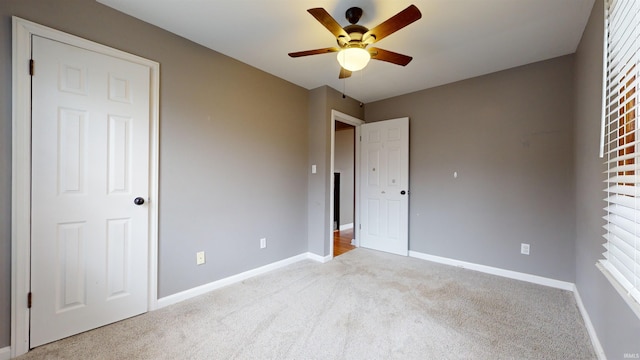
{"x":373,"y":217}
{"x":70,"y":266}
{"x":119,"y":154}
{"x":385,"y":165}
{"x":394,"y":214}
{"x":72,"y":138}
{"x":118,"y":245}
{"x":90,"y":159}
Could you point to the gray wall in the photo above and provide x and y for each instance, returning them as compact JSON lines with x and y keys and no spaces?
{"x":344,"y":160}
{"x":617,"y":326}
{"x":509,"y":137}
{"x":229,"y":173}
{"x":321,"y":101}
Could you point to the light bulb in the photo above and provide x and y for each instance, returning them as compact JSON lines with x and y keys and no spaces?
{"x":353,"y":59}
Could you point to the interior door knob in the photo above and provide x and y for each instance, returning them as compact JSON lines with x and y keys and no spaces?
{"x":138,"y":201}
{"x":402,"y":192}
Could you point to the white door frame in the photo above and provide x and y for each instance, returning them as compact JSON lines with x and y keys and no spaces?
{"x":23,"y":32}
{"x":355,"y":122}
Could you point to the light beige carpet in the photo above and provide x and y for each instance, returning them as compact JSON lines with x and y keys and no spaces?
{"x":362,"y":305}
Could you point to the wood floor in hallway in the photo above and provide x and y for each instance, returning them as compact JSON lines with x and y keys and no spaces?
{"x":342,"y":241}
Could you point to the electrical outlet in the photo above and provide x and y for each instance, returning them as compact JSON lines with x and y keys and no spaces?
{"x":524,"y":249}
{"x":263,"y":243}
{"x":200,"y":258}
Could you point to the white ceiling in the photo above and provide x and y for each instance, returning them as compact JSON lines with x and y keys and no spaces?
{"x":454,"y":40}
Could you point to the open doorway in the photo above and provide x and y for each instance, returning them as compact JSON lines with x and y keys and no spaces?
{"x":343,"y":188}
{"x":339,"y":120}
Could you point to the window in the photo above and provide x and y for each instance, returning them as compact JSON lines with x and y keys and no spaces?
{"x":621,"y":263}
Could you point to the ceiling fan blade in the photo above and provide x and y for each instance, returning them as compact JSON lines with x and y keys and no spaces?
{"x":329,"y":22}
{"x":313,"y":52}
{"x":389,"y":56}
{"x":344,"y":73}
{"x":393,"y":24}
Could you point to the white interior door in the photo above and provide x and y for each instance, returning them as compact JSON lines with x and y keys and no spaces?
{"x":90,"y":160}
{"x":384,"y":173}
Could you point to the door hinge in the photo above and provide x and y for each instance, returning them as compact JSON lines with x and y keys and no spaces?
{"x":359,"y":226}
{"x":360,"y":137}
{"x":29,"y":300}
{"x":31,"y":67}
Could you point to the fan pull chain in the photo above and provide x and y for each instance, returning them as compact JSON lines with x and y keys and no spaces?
{"x":344,"y":88}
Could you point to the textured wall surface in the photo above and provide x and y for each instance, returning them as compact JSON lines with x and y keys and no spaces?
{"x":509,"y":137}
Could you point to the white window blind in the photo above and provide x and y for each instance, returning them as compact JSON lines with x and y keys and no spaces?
{"x":621,"y":261}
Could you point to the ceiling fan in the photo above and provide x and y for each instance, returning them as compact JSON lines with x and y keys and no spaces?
{"x":353,"y":39}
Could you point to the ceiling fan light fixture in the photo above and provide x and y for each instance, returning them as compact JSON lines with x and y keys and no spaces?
{"x":353,"y":59}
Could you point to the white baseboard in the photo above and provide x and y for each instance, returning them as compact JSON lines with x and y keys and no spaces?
{"x":5,"y":353}
{"x":319,"y":258}
{"x":203,"y":289}
{"x":346,"y":227}
{"x":564,"y":285}
{"x":597,"y":347}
